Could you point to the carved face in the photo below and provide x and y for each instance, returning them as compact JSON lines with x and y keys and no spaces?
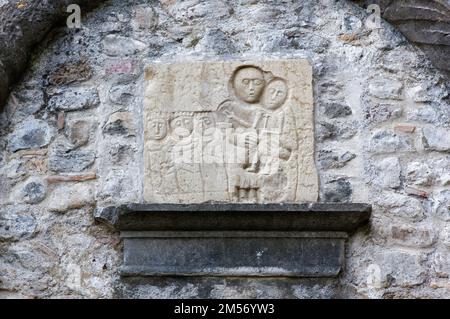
{"x":249,"y":84}
{"x":157,"y":129}
{"x":275,"y":94}
{"x":206,"y":124}
{"x":182,"y":126}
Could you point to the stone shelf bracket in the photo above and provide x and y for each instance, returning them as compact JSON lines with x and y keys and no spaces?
{"x":225,"y":239}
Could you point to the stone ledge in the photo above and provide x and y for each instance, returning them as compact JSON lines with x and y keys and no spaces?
{"x":228,"y":217}
{"x":234,"y":240}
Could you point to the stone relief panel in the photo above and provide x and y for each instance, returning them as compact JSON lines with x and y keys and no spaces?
{"x":229,"y":131}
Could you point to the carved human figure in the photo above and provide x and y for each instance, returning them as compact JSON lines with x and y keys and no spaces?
{"x":275,"y":152}
{"x":162,"y":170}
{"x":209,"y":144}
{"x":182,"y":125}
{"x":275,"y":94}
{"x":157,"y":128}
{"x":180,"y":145}
{"x":244,"y":114}
{"x":248,"y":84}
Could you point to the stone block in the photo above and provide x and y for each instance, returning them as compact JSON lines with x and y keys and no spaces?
{"x":235,"y":131}
{"x":31,"y":133}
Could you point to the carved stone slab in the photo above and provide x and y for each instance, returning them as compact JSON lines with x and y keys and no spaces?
{"x":287,"y":254}
{"x":229,"y":131}
{"x":234,"y":239}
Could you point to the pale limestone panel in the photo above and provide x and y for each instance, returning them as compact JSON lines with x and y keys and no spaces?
{"x":232,"y":131}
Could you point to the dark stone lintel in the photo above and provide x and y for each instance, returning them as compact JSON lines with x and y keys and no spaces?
{"x":345,"y":217}
{"x":234,"y":240}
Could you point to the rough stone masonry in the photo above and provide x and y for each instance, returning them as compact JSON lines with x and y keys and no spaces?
{"x":71,"y":139}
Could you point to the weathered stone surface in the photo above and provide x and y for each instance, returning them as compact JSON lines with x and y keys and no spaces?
{"x":232,"y":254}
{"x":398,"y":205}
{"x":329,"y":159}
{"x":159,"y":239}
{"x":15,"y":225}
{"x":27,"y":102}
{"x":412,"y":236}
{"x":70,"y":256}
{"x":436,"y":139}
{"x":376,"y":113}
{"x":441,"y":263}
{"x":385,"y":141}
{"x":121,"y":94}
{"x":338,"y":191}
{"x":418,"y":173}
{"x":387,"y":173}
{"x":342,"y":130}
{"x":32,"y":133}
{"x":78,"y":132}
{"x":34,"y":191}
{"x":239,"y":131}
{"x":120,"y":123}
{"x":116,"y":45}
{"x":71,"y":197}
{"x":344,"y":217}
{"x":333,"y":110}
{"x":74,"y":99}
{"x":441,"y":205}
{"x":63,"y":159}
{"x":401,"y":268}
{"x":386,"y":89}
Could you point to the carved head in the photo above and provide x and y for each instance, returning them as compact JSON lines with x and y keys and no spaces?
{"x":182,"y":125}
{"x":248,"y":84}
{"x":157,"y":128}
{"x":275,"y":94}
{"x":206,"y":123}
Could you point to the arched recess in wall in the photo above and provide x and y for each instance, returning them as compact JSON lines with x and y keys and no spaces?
{"x":25,"y":24}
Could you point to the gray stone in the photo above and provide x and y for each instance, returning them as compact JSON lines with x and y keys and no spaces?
{"x":379,"y":113}
{"x":120,"y":123}
{"x":226,"y":239}
{"x":334,"y":110}
{"x":216,"y":216}
{"x":386,"y":89}
{"x":191,"y":10}
{"x":402,"y":206}
{"x":117,"y":45}
{"x":120,"y":154}
{"x":436,"y":139}
{"x":74,"y":99}
{"x":31,"y":133}
{"x":401,"y":268}
{"x":420,"y":174}
{"x":433,"y":114}
{"x":385,"y":141}
{"x":34,"y":192}
{"x":78,"y":132}
{"x":121,"y":94}
{"x":216,"y":41}
{"x":408,"y":236}
{"x":441,"y":205}
{"x":16,"y":225}
{"x":441,"y":263}
{"x":62,"y":159}
{"x":231,"y":254}
{"x":329,"y":159}
{"x":337,"y":191}
{"x":69,"y":197}
{"x":387,"y":173}
{"x":29,"y":101}
{"x":344,"y":130}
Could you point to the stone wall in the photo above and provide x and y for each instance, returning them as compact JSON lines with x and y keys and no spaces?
{"x":71,"y":140}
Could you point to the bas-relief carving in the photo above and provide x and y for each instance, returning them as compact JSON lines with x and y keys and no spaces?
{"x":229,"y":131}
